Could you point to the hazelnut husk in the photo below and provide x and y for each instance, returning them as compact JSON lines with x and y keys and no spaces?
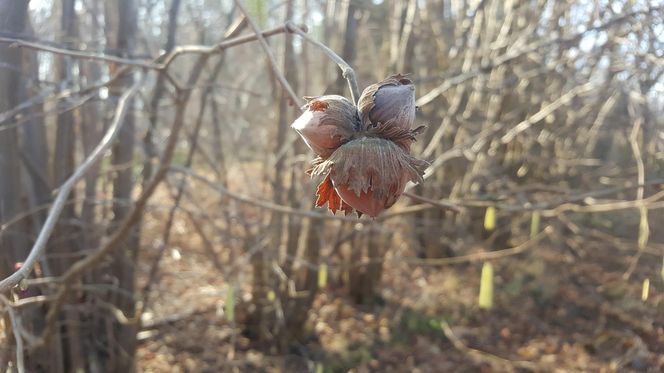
{"x":369,"y":174}
{"x":327,"y":122}
{"x":387,"y":110}
{"x":363,"y":152}
{"x":390,"y":102}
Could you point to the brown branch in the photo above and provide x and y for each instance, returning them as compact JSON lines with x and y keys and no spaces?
{"x":12,"y":113}
{"x":485,"y":357}
{"x":482,"y":256}
{"x":270,"y":56}
{"x":213,"y":49}
{"x":21,"y":43}
{"x":470,"y":258}
{"x":652,"y":202}
{"x":508,"y":57}
{"x":16,"y":330}
{"x":58,"y":205}
{"x":644,"y":226}
{"x":347,"y":72}
{"x":66,"y":188}
{"x":134,"y":215}
{"x":548,"y":208}
{"x":167,"y":57}
{"x":260,"y":203}
{"x":442,"y":204}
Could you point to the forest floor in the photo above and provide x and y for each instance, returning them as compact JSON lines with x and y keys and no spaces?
{"x":555,"y":310}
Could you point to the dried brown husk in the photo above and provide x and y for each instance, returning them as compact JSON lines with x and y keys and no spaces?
{"x":388,"y":103}
{"x":327,"y":123}
{"x":401,"y":136}
{"x":373,"y":169}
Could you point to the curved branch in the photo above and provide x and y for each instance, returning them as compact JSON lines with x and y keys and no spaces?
{"x":347,"y":71}
{"x":63,"y":192}
{"x":270,"y":56}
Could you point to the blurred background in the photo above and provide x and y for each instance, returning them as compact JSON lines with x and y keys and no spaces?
{"x":193,"y":244}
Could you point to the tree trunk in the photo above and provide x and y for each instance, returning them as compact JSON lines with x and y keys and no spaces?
{"x":121,"y":33}
{"x":10,"y":73}
{"x":13,"y":22}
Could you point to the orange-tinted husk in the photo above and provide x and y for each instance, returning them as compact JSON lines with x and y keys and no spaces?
{"x":368,"y":202}
{"x":369,"y":174}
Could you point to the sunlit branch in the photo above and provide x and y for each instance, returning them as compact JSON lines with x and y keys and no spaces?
{"x":63,"y":192}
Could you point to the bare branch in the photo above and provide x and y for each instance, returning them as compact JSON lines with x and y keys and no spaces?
{"x":167,"y":58}
{"x":347,"y":72}
{"x":20,"y":43}
{"x":270,"y":56}
{"x":135,"y":214}
{"x":508,"y":57}
{"x":16,"y":329}
{"x":60,"y":200}
{"x":485,"y":357}
{"x":258,"y":203}
{"x":548,"y":109}
{"x":644,"y":226}
{"x":441,"y":204}
{"x":228,"y":43}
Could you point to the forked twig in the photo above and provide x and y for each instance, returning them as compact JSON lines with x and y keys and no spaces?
{"x":347,"y":71}
{"x":63,"y":192}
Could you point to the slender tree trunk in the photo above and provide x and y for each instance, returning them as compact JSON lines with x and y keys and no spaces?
{"x":121,"y":33}
{"x":153,"y":114}
{"x":12,"y":21}
{"x":13,"y":245}
{"x":92,"y":127}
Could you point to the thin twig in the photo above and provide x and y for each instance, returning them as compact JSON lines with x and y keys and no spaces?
{"x":16,"y":328}
{"x":644,"y":227}
{"x":462,"y":259}
{"x":40,"y":99}
{"x":442,"y":204}
{"x":508,"y":57}
{"x":259,"y":203}
{"x":546,"y":110}
{"x":167,"y":58}
{"x":270,"y":56}
{"x":166,"y":236}
{"x":66,"y":188}
{"x":21,"y":43}
{"x":481,"y":256}
{"x":221,"y":46}
{"x":134,"y":215}
{"x":648,"y":203}
{"x":347,"y":71}
{"x":485,"y":357}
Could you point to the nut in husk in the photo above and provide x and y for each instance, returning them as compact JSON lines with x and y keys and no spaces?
{"x":327,"y":122}
{"x":368,"y":174}
{"x":388,"y":103}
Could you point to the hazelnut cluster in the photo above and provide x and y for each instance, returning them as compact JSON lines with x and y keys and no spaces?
{"x":363,"y":151}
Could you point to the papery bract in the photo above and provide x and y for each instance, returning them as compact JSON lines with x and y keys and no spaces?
{"x":369,"y":174}
{"x":327,"y":122}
